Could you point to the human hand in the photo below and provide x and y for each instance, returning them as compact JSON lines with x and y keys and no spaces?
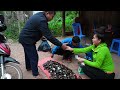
{"x":80,"y":59}
{"x":69,"y":48}
{"x":64,"y":46}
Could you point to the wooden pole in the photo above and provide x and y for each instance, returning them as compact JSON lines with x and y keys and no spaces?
{"x":63,"y":23}
{"x":79,"y":13}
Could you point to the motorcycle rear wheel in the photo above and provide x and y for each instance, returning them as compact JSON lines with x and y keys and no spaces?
{"x":12,"y":71}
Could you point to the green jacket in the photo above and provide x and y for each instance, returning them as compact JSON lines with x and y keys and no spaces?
{"x":102,"y":58}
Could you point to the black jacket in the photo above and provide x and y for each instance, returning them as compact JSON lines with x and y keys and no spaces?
{"x":35,"y":28}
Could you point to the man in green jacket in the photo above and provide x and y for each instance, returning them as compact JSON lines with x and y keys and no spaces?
{"x":102,"y":65}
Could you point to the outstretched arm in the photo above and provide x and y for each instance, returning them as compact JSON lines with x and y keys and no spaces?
{"x":47,"y":33}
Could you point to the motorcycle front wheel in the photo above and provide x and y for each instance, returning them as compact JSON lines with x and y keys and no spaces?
{"x":12,"y":71}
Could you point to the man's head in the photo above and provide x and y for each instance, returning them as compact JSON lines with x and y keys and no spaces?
{"x":50,"y":14}
{"x":75,"y":41}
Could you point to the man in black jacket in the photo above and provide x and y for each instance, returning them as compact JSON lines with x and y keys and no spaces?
{"x":34,"y":29}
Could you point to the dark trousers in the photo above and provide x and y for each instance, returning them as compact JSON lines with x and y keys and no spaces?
{"x":66,"y":53}
{"x":95,"y":73}
{"x":31,"y":58}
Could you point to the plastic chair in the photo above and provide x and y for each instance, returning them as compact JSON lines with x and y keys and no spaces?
{"x":115,"y":46}
{"x":77,"y":30}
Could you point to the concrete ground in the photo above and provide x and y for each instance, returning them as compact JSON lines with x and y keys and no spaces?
{"x":18,"y":54}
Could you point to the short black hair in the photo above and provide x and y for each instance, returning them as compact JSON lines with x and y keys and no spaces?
{"x":51,"y":12}
{"x":76,"y":39}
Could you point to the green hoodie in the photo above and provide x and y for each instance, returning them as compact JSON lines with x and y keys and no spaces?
{"x":102,"y":58}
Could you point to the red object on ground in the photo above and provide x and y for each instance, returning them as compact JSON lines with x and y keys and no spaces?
{"x":42,"y":61}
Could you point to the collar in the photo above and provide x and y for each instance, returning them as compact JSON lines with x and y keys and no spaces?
{"x":96,"y":49}
{"x":45,"y":16}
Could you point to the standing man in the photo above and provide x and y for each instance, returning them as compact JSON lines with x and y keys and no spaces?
{"x":34,"y":29}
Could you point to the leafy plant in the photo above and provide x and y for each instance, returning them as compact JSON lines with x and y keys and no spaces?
{"x":56,"y":24}
{"x":12,"y":31}
{"x":15,"y":26}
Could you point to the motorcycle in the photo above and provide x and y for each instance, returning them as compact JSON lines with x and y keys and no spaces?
{"x":9,"y":67}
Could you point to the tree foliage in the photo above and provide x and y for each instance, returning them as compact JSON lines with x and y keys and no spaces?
{"x":15,"y":21}
{"x":56,"y":24}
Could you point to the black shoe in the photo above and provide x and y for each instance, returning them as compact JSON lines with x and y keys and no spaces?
{"x":28,"y":69}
